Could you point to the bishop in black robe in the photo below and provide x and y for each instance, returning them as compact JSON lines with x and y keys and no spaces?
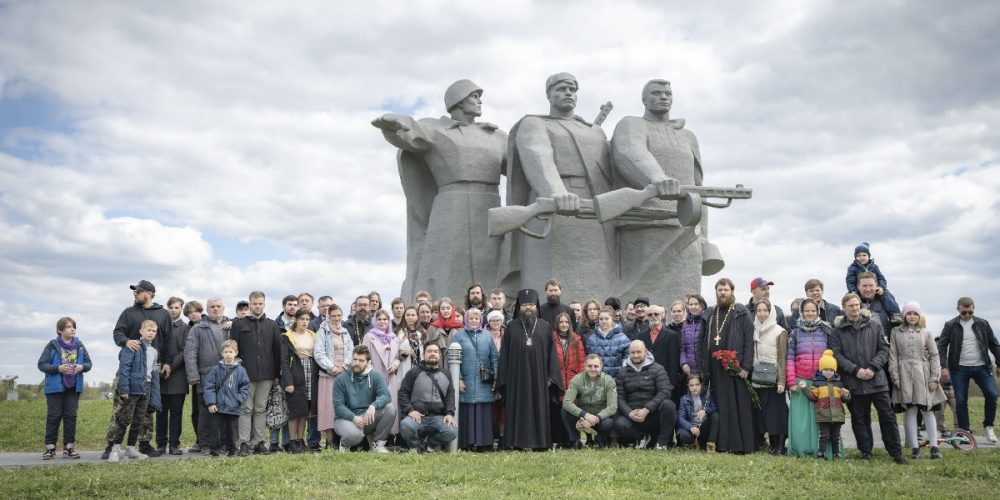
{"x":528,"y":376}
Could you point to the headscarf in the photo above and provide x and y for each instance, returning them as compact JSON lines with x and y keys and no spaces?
{"x":448,"y":323}
{"x":69,"y":353}
{"x":387,"y":336}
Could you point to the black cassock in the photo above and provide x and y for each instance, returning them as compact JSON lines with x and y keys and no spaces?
{"x":735,"y":333}
{"x":528,"y":378}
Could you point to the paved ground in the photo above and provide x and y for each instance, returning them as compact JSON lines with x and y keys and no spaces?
{"x":22,"y":460}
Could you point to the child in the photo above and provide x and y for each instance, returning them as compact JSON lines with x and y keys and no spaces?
{"x":227,"y":387}
{"x":829,"y":394}
{"x":915,"y":368}
{"x":698,"y":418}
{"x":864,"y":262}
{"x":137,"y":389}
{"x":63,"y":362}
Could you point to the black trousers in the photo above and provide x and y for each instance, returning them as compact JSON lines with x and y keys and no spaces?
{"x":168,"y":421}
{"x":861,"y":422}
{"x":604,"y":428}
{"x":195,"y":408}
{"x":659,"y":423}
{"x":224,"y":430}
{"x":829,"y":432}
{"x":707,"y":433}
{"x":62,"y":407}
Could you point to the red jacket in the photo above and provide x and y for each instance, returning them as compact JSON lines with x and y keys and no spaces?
{"x":570,"y":360}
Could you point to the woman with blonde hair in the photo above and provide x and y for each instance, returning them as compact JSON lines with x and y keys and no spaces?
{"x":915,"y":369}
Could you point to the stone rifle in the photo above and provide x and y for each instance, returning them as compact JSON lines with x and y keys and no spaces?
{"x":623,"y":204}
{"x":614,"y":204}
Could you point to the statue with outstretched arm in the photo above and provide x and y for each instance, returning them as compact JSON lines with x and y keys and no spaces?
{"x":450,"y":170}
{"x":661,"y":258}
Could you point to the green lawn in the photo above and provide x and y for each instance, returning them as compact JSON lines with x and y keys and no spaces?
{"x":604,"y":474}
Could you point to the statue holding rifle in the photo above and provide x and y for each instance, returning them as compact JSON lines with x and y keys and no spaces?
{"x":564,"y":160}
{"x":654,"y":153}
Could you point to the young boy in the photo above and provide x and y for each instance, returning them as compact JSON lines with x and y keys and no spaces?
{"x":697,"y":417}
{"x":137,"y":389}
{"x":829,"y":394}
{"x":227,"y":387}
{"x":863,"y":262}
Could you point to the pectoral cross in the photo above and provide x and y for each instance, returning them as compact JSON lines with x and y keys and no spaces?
{"x":717,"y":338}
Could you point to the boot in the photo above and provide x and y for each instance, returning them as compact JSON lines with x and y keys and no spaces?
{"x":835,"y":444}
{"x":935,"y":453}
{"x":821,"y":450}
{"x":107,"y":451}
{"x":146,"y":449}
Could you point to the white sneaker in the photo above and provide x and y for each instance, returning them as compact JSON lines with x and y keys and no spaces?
{"x":380,"y":447}
{"x":343,"y":449}
{"x":116,"y":454}
{"x":643,"y":442}
{"x":131,"y":452}
{"x":992,"y":436}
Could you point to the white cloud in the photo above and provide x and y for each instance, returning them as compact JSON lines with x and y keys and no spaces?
{"x":184,"y":124}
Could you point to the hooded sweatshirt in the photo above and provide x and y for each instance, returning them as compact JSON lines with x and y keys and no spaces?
{"x":354,"y":393}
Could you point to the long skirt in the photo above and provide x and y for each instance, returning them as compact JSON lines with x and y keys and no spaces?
{"x":773,"y":411}
{"x":324,"y":404}
{"x":803,"y":432}
{"x":475,"y":425}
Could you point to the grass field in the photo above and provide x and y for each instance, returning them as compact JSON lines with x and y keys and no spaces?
{"x":605,"y":474}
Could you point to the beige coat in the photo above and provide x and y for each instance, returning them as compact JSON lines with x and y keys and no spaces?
{"x":913,"y":364}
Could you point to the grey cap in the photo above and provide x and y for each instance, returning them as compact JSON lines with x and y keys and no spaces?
{"x":143,"y":286}
{"x":559,"y":77}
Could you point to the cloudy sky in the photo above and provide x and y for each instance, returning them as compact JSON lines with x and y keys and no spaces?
{"x":218,"y":147}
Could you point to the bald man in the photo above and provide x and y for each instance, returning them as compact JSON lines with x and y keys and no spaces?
{"x":644,"y":405}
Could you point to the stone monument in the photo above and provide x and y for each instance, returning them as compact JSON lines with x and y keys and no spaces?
{"x":450,"y":170}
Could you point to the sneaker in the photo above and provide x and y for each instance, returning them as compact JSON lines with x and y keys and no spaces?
{"x":175,"y":451}
{"x":133,"y":453}
{"x":662,"y":447}
{"x":196,"y":448}
{"x":820,"y":455}
{"x":935,"y":453}
{"x":413,"y":450}
{"x":915,"y":454}
{"x":107,"y":452}
{"x":213,"y":453}
{"x":992,"y":436}
{"x":643,"y":442}
{"x":244,"y":450}
{"x":261,"y":449}
{"x":274,"y":448}
{"x":162,"y":450}
{"x":380,"y":447}
{"x":900,"y":460}
{"x":432,"y":449}
{"x":149,"y":451}
{"x":866,"y":455}
{"x":115,"y":453}
{"x":71,"y":453}
{"x":49,"y":454}
{"x":343,"y":449}
{"x":315,"y":448}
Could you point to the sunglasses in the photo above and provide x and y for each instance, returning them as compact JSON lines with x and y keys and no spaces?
{"x":965,"y":313}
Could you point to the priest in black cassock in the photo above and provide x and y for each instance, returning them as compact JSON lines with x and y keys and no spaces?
{"x":730,"y":327}
{"x":528,"y":376}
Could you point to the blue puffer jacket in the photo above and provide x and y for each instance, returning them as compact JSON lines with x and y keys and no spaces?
{"x":611,"y":347}
{"x":477,"y":348}
{"x":132,"y":375}
{"x":229,"y":397}
{"x":49,"y":363}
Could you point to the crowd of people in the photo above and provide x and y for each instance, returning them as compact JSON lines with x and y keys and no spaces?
{"x":727,"y":378}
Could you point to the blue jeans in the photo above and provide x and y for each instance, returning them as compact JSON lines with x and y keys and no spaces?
{"x":433,"y":428}
{"x":312,"y":434}
{"x":984,"y":379}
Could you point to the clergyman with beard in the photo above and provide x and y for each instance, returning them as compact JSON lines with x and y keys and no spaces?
{"x":359,"y":322}
{"x":730,"y":327}
{"x":553,"y":305}
{"x":528,"y":376}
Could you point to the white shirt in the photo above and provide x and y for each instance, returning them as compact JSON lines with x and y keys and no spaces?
{"x":971,"y":355}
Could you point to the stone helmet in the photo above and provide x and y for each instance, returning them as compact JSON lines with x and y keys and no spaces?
{"x":458,"y":91}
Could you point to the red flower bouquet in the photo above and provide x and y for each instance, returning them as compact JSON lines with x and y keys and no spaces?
{"x":732,"y":365}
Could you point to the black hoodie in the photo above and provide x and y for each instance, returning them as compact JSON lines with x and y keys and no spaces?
{"x":131,"y":319}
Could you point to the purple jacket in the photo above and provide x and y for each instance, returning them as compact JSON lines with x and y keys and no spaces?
{"x":693,"y":327}
{"x":804,"y":350}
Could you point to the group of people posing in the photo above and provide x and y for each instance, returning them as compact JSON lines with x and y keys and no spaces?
{"x":728,"y":378}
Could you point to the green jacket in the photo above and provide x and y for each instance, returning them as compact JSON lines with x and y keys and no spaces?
{"x":599,"y":398}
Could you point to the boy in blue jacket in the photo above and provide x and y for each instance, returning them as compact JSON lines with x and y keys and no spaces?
{"x":863,"y":262}
{"x":227,"y":387}
{"x":138,"y":388}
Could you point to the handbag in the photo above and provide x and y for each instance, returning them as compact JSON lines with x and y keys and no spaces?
{"x":764,"y":373}
{"x":486,"y":375}
{"x":276,"y":411}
